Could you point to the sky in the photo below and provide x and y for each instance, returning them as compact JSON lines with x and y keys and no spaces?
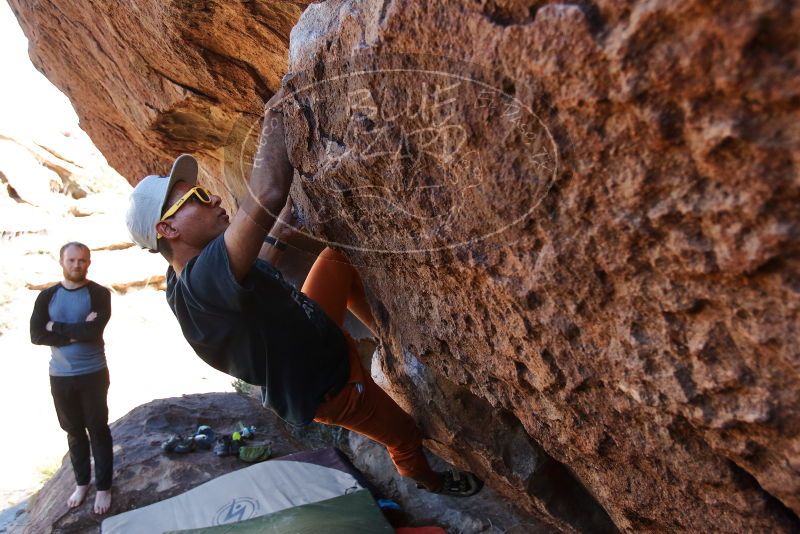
{"x":29,"y":103}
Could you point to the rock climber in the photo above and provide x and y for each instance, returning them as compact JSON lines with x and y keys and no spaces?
{"x":242,"y":318}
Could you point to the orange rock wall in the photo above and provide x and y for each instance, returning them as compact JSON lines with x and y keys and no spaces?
{"x":153,"y":79}
{"x":582,"y":253}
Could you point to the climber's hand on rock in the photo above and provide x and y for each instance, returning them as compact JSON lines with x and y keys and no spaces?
{"x":285,"y":225}
{"x":274,"y":102}
{"x":269,"y":185}
{"x":272,"y":172}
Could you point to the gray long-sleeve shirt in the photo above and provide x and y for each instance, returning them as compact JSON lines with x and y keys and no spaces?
{"x":77,"y":345}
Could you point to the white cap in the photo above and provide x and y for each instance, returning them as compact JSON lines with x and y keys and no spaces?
{"x":148,"y":199}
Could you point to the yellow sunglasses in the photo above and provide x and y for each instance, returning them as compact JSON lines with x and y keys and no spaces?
{"x":202,"y":194}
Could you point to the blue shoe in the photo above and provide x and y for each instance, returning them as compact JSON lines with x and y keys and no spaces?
{"x":223,"y":446}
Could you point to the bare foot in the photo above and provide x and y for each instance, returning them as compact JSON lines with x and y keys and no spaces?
{"x":77,"y":496}
{"x":102,"y":501}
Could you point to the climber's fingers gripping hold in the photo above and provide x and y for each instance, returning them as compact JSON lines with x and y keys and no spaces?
{"x":274,"y":103}
{"x":272,"y":172}
{"x":286,"y":224}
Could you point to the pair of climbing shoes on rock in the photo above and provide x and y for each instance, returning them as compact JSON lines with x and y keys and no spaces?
{"x":202,"y":439}
{"x":235,"y":445}
{"x":178,"y":443}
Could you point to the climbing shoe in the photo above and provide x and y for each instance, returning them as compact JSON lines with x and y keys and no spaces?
{"x":185,"y":445}
{"x":169,"y":444}
{"x":223,"y":446}
{"x":204,"y":437}
{"x":203,"y":441}
{"x":459,"y":484}
{"x":206,"y":431}
{"x":236,"y":443}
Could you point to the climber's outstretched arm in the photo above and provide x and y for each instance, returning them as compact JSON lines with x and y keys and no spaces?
{"x":268,"y":189}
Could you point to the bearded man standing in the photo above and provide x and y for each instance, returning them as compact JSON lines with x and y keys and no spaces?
{"x":70,"y":317}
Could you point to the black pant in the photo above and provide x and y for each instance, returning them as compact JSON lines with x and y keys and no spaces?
{"x":81,"y":405}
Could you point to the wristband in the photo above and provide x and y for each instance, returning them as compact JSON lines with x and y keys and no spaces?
{"x":280,"y":245}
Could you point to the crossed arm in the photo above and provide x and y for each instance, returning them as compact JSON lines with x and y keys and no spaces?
{"x":90,"y":329}
{"x":39,"y":319}
{"x":57,"y":334}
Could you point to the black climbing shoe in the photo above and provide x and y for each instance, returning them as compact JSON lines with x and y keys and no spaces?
{"x":236,"y":443}
{"x":203,"y":441}
{"x":205,"y":430}
{"x":204,"y":438}
{"x":185,"y":445}
{"x":223,"y":446}
{"x":169,"y":445}
{"x":459,"y":484}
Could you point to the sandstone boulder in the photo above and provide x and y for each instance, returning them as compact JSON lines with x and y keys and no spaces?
{"x":584,"y":215}
{"x":577,"y":219}
{"x":162,"y":77}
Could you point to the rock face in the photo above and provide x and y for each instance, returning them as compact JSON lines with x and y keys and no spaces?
{"x":578,"y":223}
{"x":598,"y":237}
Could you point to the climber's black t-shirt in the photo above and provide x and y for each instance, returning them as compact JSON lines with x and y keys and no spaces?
{"x":263,"y":331}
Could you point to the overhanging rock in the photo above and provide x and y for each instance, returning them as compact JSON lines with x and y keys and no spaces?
{"x":579,"y":220}
{"x":568,"y":213}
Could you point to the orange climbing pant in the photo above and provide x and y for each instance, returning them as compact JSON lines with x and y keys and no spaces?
{"x":362,"y":406}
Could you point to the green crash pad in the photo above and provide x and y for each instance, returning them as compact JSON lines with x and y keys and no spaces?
{"x":355,"y":513}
